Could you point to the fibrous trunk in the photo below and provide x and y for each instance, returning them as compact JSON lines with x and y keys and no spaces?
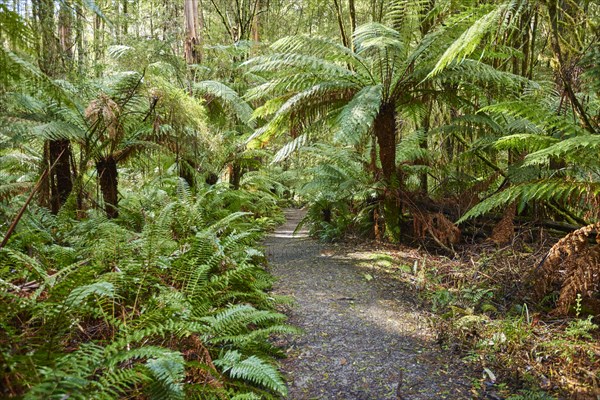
{"x":59,"y":159}
{"x":385,"y":131}
{"x":107,"y":174}
{"x":235,"y":175}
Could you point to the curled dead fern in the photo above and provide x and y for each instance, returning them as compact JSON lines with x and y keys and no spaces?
{"x":574,"y":264}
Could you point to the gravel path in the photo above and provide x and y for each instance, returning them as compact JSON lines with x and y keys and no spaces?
{"x":364,"y":338}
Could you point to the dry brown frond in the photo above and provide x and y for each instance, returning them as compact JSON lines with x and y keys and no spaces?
{"x":574,"y":263}
{"x":503,"y":232}
{"x":106,"y":112}
{"x":438,"y":226}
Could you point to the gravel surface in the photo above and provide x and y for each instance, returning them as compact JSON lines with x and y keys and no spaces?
{"x":364,"y":335}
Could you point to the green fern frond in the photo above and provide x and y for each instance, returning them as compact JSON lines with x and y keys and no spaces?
{"x":57,"y":130}
{"x":299,"y":62}
{"x":525,"y":142}
{"x":290,"y":148}
{"x":223,"y":93}
{"x":356,"y":118}
{"x":581,"y":149}
{"x":235,"y":319}
{"x":252,"y":369}
{"x":470,"y":39}
{"x":550,"y":189}
{"x":547,"y":120}
{"x":79,"y":294}
{"x":483,"y":74}
{"x":168,"y":370}
{"x":320,"y":47}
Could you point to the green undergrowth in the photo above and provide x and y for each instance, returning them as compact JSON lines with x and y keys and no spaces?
{"x":168,"y":301}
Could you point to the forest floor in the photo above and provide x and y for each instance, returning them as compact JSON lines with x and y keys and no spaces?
{"x":365,"y":336}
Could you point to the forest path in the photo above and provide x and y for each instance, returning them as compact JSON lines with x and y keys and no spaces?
{"x":363,"y":334}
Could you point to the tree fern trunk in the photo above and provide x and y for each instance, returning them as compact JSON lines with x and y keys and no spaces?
{"x":235,"y":175}
{"x":108,"y":176}
{"x":58,"y":157}
{"x":385,"y":130}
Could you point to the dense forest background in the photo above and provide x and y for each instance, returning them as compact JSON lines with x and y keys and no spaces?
{"x":146,"y":145}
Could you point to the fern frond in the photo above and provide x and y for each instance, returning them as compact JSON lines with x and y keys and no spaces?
{"x":524,"y":142}
{"x":356,"y":118}
{"x":300,"y":62}
{"x":470,"y":39}
{"x":222,"y":92}
{"x":547,"y":120}
{"x":581,"y":149}
{"x":79,"y":294}
{"x":168,"y":370}
{"x":550,"y":189}
{"x":252,"y":369}
{"x":290,"y":148}
{"x":320,"y":47}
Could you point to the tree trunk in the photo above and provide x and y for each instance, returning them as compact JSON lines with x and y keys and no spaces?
{"x":192,"y":42}
{"x":65,"y":34}
{"x":57,"y":153}
{"x":352,"y":9}
{"x":125,"y":25}
{"x":235,"y":175}
{"x":109,"y":184}
{"x":340,"y":19}
{"x":385,"y":130}
{"x":58,"y":156}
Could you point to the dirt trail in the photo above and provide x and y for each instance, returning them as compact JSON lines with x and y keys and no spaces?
{"x":364,"y":338}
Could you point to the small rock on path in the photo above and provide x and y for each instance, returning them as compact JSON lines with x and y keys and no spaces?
{"x":363,"y":339}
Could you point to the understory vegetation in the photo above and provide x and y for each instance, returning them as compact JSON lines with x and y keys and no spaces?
{"x":170,"y":300}
{"x":146,"y":147}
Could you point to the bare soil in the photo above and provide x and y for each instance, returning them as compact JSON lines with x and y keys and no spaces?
{"x":365,"y":336}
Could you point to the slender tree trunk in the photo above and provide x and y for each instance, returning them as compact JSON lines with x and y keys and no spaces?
{"x":109,"y":184}
{"x":256,"y":22}
{"x":80,"y":38}
{"x":65,"y":34}
{"x":192,"y":42}
{"x":340,"y":19}
{"x":352,"y":8}
{"x":125,"y":25}
{"x":385,"y":130}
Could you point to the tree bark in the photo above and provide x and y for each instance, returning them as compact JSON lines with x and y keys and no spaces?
{"x":57,"y":153}
{"x":109,"y":184}
{"x":235,"y":175}
{"x":352,"y":8}
{"x":385,"y":131}
{"x":65,"y":34}
{"x":192,"y":39}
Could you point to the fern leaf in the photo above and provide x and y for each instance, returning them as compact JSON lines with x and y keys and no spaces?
{"x":252,"y":369}
{"x":356,"y":118}
{"x":229,"y":97}
{"x":472,"y":37}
